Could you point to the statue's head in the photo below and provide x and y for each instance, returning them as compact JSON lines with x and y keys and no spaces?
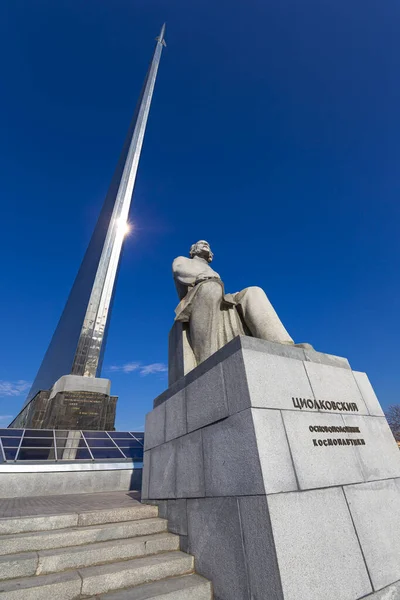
{"x":202,"y":249}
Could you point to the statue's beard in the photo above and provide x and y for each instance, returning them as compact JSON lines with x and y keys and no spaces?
{"x":206,"y":254}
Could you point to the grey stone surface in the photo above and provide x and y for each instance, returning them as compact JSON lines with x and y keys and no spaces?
{"x":105,"y":578}
{"x":262,"y":565}
{"x":155,"y":427}
{"x":163,"y":471}
{"x":20,"y":484}
{"x":181,"y":359}
{"x":286,"y":350}
{"x":177,"y":516}
{"x":61,"y":507}
{"x":215,"y":540}
{"x":334,"y":384}
{"x":184,"y":543}
{"x":206,"y":399}
{"x":37,"y":523}
{"x":60,"y":585}
{"x":273,"y":451}
{"x":318,"y":552}
{"x":51,"y":561}
{"x":77,"y":383}
{"x":380,"y":457}
{"x":114,"y":515}
{"x":161,"y":543}
{"x":274,"y":380}
{"x":190,"y":466}
{"x":391,"y":592}
{"x":235,"y":380}
{"x":219,"y":356}
{"x":231,"y":463}
{"x":162,"y":506}
{"x":326,"y":359}
{"x":368,"y":394}
{"x":321,"y":466}
{"x":375,"y":508}
{"x":45,"y":540}
{"x":248,"y":343}
{"x":18,"y":565}
{"x":146,"y":474}
{"x":175,"y":416}
{"x":187,"y":587}
{"x":308,"y":354}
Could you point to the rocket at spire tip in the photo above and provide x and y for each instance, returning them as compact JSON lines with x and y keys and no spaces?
{"x":160,"y":38}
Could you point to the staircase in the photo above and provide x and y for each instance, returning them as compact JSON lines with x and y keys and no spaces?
{"x":114,"y":553}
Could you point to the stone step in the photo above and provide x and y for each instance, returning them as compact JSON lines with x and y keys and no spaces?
{"x":101,"y":579}
{"x":105,"y":578}
{"x":65,"y":586}
{"x":11,"y":525}
{"x":53,"y":561}
{"x":114,"y":515}
{"x":76,"y":536}
{"x":187,"y":587}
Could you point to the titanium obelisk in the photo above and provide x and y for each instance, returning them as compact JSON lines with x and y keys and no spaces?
{"x":78,"y":343}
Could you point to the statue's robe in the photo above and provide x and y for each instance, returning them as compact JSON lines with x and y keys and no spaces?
{"x":215,"y":317}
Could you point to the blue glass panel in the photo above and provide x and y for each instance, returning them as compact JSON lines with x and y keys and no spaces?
{"x":10,"y":454}
{"x":95,"y":434}
{"x":39,"y":433}
{"x":11,"y":442}
{"x":129,"y":444}
{"x":106,"y":453}
{"x":119,"y":434}
{"x":35,"y":454}
{"x":10,"y":432}
{"x":134,"y":453}
{"x":83,"y":454}
{"x":139,"y":436}
{"x":100,"y":444}
{"x":37,"y":442}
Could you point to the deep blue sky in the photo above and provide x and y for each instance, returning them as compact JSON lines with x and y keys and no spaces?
{"x":274,"y":134}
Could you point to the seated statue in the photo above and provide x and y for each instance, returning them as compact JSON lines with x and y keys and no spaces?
{"x":214,"y":317}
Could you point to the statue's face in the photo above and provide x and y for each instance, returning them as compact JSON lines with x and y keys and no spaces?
{"x":203,"y":250}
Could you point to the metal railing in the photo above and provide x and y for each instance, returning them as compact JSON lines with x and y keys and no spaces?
{"x":21,"y":445}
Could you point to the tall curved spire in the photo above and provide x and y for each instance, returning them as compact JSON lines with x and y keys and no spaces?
{"x":78,"y":342}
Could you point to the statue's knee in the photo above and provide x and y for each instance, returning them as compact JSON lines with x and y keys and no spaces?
{"x":255,"y":290}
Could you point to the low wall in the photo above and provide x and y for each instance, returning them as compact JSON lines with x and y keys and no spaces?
{"x":55,"y":479}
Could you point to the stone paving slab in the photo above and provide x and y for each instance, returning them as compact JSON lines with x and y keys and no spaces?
{"x":69,"y":503}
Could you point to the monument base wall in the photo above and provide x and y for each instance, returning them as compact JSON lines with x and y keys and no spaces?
{"x":23,"y":481}
{"x":277,"y":468}
{"x":73,"y":403}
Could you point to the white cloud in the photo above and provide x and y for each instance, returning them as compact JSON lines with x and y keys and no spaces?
{"x":13,"y":388}
{"x":6,"y":418}
{"x":127,"y":368}
{"x":153,"y":368}
{"x":142,"y":369}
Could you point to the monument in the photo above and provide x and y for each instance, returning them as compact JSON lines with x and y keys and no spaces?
{"x":68,"y":392}
{"x":207,"y":318}
{"x":274,"y":463}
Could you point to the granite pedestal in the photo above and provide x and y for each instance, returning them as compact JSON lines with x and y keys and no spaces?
{"x":73,"y":403}
{"x":277,"y":468}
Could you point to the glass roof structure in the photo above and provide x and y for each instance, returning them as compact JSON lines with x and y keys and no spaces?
{"x":56,"y":445}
